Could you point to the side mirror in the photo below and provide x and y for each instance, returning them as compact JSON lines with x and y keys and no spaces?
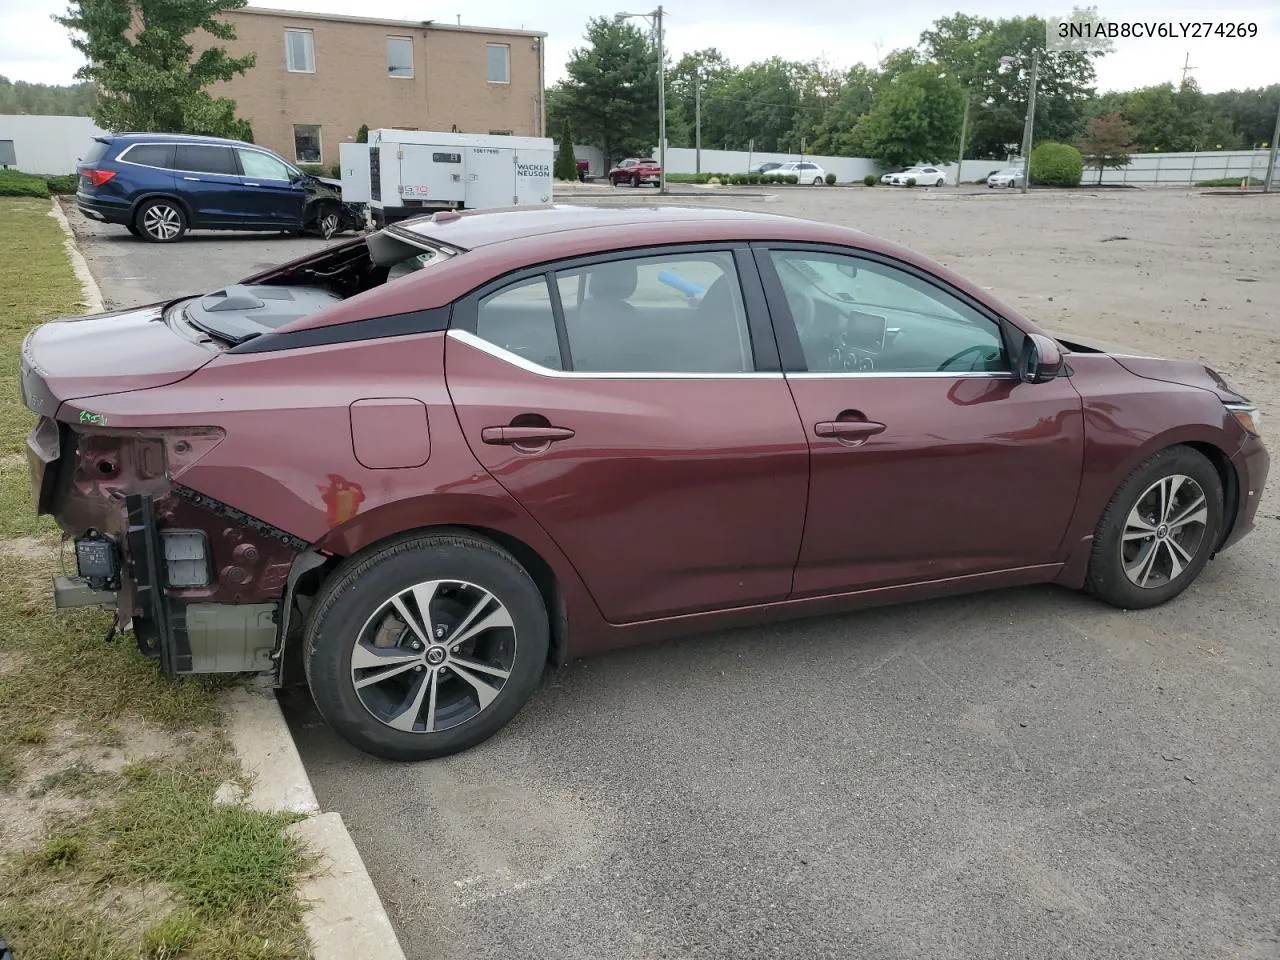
{"x":1041,"y":359}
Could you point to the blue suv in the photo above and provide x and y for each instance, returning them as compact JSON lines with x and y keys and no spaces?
{"x":160,"y":185}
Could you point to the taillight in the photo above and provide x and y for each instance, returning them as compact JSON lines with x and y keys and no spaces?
{"x":98,"y":177}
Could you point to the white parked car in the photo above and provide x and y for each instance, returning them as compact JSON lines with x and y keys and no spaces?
{"x":1008,"y":177}
{"x":924,"y":177}
{"x":805,"y":170}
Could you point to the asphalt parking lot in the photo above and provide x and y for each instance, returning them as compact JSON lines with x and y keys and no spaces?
{"x":1017,"y":774}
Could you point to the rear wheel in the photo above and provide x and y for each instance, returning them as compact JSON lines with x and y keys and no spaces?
{"x":817,"y":181}
{"x":1157,"y":533}
{"x":161,"y":221}
{"x":425,"y":647}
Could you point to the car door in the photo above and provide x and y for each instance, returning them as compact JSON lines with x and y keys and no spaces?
{"x":210,"y":181}
{"x":274,"y":192}
{"x":930,"y":458}
{"x":634,"y":406}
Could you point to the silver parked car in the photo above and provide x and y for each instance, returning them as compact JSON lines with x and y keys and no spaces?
{"x":1008,"y":177}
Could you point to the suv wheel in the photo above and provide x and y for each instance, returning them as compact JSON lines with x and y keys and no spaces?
{"x":161,"y":221}
{"x":327,"y":223}
{"x":1157,"y":533}
{"x":426,"y":646}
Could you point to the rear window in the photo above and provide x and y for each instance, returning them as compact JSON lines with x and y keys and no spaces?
{"x":150,"y":154}
{"x":96,"y":149}
{"x":206,"y":158}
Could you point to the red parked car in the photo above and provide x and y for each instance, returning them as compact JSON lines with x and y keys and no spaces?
{"x":419,"y":466}
{"x":635,"y":172}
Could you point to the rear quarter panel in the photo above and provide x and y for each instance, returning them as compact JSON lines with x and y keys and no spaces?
{"x":1126,"y":420}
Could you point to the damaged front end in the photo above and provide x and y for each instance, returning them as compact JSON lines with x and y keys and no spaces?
{"x":201,"y":584}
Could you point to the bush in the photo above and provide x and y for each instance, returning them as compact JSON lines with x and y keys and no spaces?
{"x":362,"y":135}
{"x":336,"y":171}
{"x":63,"y":183}
{"x":1056,"y":165}
{"x":831,"y":179}
{"x":753,"y":178}
{"x":314,"y":169}
{"x":793,"y":178}
{"x":911,"y":181}
{"x":870,"y":180}
{"x":15,"y":184}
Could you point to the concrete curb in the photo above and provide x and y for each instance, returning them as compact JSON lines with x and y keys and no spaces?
{"x":90,"y":295}
{"x":345,"y":916}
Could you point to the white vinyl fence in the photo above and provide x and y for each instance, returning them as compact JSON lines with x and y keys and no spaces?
{"x":50,"y":145}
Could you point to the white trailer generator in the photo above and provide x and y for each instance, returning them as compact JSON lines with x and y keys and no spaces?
{"x":403,"y":173}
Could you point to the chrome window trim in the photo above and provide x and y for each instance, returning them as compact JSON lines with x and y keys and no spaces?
{"x":909,"y":375}
{"x":121,"y":157}
{"x":493,"y":350}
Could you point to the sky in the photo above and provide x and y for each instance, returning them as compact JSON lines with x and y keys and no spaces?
{"x":843,"y":32}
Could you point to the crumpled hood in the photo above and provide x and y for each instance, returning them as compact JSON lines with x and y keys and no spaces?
{"x":1186,"y":372}
{"x":106,"y":353}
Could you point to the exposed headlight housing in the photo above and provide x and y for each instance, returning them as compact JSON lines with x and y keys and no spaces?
{"x":1248,"y":416}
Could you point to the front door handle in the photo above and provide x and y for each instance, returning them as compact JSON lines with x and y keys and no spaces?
{"x":192,"y":179}
{"x":524,"y":436}
{"x":248,"y":184}
{"x":848,"y":429}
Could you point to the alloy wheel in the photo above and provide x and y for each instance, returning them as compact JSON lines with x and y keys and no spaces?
{"x":433,"y":656}
{"x":162,"y":221}
{"x":328,"y":225}
{"x":1164,"y":531}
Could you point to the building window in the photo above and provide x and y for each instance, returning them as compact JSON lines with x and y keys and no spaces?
{"x":400,"y":57}
{"x":499,"y":133}
{"x":300,"y":51}
{"x":499,"y":63}
{"x":306,"y":143}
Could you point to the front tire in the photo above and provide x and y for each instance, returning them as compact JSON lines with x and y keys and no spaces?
{"x":161,"y":221}
{"x":426,"y":646}
{"x":1158,"y":532}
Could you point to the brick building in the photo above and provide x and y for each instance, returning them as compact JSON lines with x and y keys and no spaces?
{"x":318,"y":77}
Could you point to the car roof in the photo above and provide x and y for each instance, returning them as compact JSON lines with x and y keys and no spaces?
{"x":174,"y":137}
{"x":498,"y":242}
{"x":470,"y":229}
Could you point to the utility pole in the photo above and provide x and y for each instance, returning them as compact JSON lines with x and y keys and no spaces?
{"x":1271,"y":159}
{"x":1186,"y":68}
{"x":662,"y":106}
{"x":1027,"y":129}
{"x":662,"y":90}
{"x":697,"y":122}
{"x":964,"y":132}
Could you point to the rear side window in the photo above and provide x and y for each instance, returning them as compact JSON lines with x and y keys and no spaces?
{"x":150,"y":155}
{"x":206,"y":158}
{"x":520,"y":320}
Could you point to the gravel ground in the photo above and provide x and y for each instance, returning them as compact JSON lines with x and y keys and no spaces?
{"x":1016,"y":774}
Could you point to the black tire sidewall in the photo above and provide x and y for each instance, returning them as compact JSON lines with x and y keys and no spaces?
{"x":1107,"y":579}
{"x":354,"y":591}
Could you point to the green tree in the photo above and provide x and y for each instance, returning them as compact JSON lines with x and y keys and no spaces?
{"x":833,"y":134}
{"x":19,"y":96}
{"x":1108,"y":141}
{"x":140,"y":59}
{"x":611,"y":92}
{"x":362,"y":135}
{"x":916,"y":118}
{"x":566,"y":162}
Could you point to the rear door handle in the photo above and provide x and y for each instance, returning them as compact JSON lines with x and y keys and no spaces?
{"x":248,"y":184}
{"x":524,"y":436}
{"x":848,"y":429}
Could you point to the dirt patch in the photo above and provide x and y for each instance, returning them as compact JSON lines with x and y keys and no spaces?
{"x":27,"y":548}
{"x":8,"y":461}
{"x":10,"y":662}
{"x":71,"y":773}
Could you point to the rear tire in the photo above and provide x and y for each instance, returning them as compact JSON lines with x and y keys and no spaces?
{"x":368,"y":628}
{"x":817,"y":181}
{"x":161,"y":221}
{"x":1150,"y":546}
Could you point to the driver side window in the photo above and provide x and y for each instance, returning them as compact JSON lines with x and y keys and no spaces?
{"x":861,"y":316}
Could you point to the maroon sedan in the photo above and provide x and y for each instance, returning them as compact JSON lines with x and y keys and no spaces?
{"x":421,"y":465}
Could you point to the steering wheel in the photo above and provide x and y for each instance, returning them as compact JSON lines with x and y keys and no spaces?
{"x":976,"y":348}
